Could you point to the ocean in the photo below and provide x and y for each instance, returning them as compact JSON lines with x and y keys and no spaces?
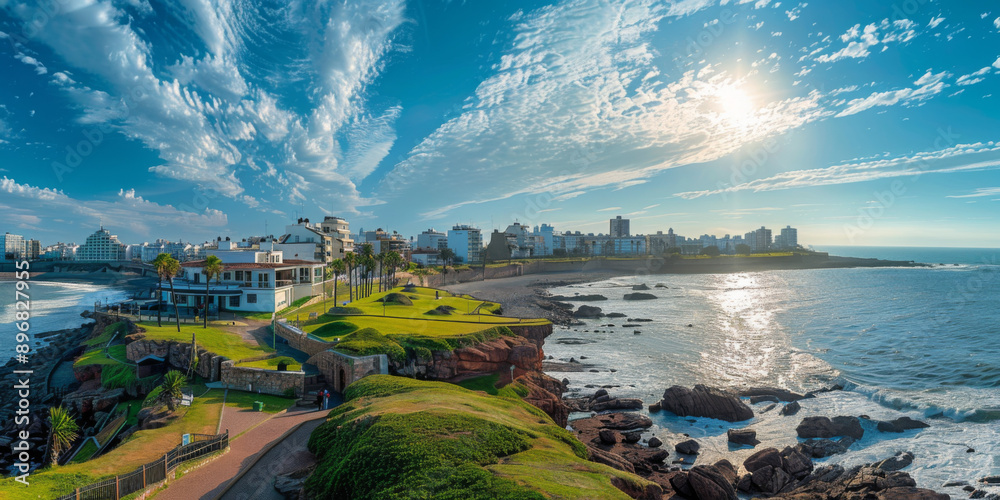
{"x":54,"y":306}
{"x":920,"y":342}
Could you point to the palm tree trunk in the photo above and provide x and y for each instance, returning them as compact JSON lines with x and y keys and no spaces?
{"x":207,"y":280}
{"x":159,"y":302}
{"x":173,"y":298}
{"x":336,"y":278}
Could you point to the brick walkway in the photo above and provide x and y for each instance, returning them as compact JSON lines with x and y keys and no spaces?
{"x":238,"y":420}
{"x":288,"y":456}
{"x":208,"y":481}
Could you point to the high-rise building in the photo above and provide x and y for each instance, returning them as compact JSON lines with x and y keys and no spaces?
{"x":619,"y":228}
{"x":432,"y":239}
{"x":11,"y":247}
{"x":759,"y":240}
{"x":789,"y":237}
{"x":102,"y":246}
{"x":467,"y":243}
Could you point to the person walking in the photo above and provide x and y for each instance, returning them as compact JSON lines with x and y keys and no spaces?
{"x":319,"y":400}
{"x":326,"y":398}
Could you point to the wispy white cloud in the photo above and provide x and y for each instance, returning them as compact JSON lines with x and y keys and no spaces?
{"x":973,"y":78}
{"x":959,"y":158}
{"x":979,"y":192}
{"x":586,"y":113}
{"x":127,"y":211}
{"x":609,"y":209}
{"x":934,"y":22}
{"x":860,"y":40}
{"x":927,"y":86}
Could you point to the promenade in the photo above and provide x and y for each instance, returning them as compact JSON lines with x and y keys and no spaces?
{"x":271,"y":435}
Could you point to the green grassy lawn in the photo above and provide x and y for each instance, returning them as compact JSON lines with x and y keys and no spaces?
{"x":245,"y":400}
{"x":396,"y":436}
{"x":88,"y":450}
{"x":104,"y":337}
{"x":142,"y":447}
{"x":131,"y":419}
{"x":214,"y":339}
{"x":96,"y":357}
{"x":488,"y":384}
{"x":413,"y":328}
{"x":272,"y":363}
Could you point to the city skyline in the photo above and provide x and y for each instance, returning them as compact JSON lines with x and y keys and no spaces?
{"x":859,"y":123}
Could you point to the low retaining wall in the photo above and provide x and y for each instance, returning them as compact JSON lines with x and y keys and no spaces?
{"x":262,"y":380}
{"x":341,"y":370}
{"x":178,"y":355}
{"x":298,"y":339}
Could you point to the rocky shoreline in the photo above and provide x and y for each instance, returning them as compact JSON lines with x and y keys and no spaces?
{"x":619,"y":437}
{"x":623,"y":440}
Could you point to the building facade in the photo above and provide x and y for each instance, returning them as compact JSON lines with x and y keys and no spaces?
{"x":467,"y":243}
{"x":11,"y":247}
{"x":102,"y":246}
{"x":620,"y":228}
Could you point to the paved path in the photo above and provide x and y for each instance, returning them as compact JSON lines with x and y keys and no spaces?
{"x":208,"y":481}
{"x":290,"y":455}
{"x":238,"y":420}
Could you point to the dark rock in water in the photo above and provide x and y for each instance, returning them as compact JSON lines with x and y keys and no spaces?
{"x":632,"y":437}
{"x":970,"y":450}
{"x":708,"y":483}
{"x":616,"y":315}
{"x":768,"y":407}
{"x":617,"y":404}
{"x":822,"y":448}
{"x":608,"y":436}
{"x":654,"y":442}
{"x":639,"y":296}
{"x":578,"y":298}
{"x":705,"y":401}
{"x":823,"y":427}
{"x":600,"y":392}
{"x":990,"y":480}
{"x":835,"y":387}
{"x":639,"y":320}
{"x":743,"y":436}
{"x":954,"y":484}
{"x":898,"y":462}
{"x":900,"y":424}
{"x":641,"y":286}
{"x":790,"y":408}
{"x":781,"y":395}
{"x":689,"y":447}
{"x":661,"y":285}
{"x":586,"y":311}
{"x":655,"y":407}
{"x":760,"y":399}
{"x":689,"y":325}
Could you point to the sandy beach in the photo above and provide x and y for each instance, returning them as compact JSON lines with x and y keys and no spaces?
{"x":517,"y":294}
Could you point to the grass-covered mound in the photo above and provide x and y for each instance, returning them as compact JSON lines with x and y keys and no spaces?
{"x":395,"y":298}
{"x":335,"y":329}
{"x":399,"y":347}
{"x":401,"y":438}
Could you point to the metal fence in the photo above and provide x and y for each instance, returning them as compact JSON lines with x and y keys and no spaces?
{"x":142,"y":477}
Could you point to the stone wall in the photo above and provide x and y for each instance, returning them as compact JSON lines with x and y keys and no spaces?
{"x":341,"y":370}
{"x":262,"y":380}
{"x":177,"y":355}
{"x":299,"y":339}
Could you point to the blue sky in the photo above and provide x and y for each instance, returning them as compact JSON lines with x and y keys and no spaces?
{"x":859,"y":122}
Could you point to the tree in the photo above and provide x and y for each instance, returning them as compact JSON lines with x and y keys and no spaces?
{"x":159,"y":297}
{"x":351,"y":261}
{"x":367,"y":258}
{"x":63,"y":430}
{"x":743,"y":249}
{"x":712,"y":251}
{"x":170,"y":389}
{"x":213,"y":269}
{"x":168,"y":267}
{"x":395,"y":262}
{"x":446,"y":255}
{"x":337,"y":267}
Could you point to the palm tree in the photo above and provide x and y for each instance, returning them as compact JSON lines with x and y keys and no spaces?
{"x":170,"y":389}
{"x":393,"y":261}
{"x":351,"y":261}
{"x":63,"y":430}
{"x":337,"y":267}
{"x":168,"y":267}
{"x":159,"y":298}
{"x":367,"y":261}
{"x":213,"y":269}
{"x":380,"y":260}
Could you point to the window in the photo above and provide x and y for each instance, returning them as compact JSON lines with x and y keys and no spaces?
{"x":234,"y":301}
{"x":227,"y":276}
{"x":318,"y":272}
{"x":239,"y":275}
{"x":251,"y":298}
{"x":262,"y":280}
{"x":197,"y":277}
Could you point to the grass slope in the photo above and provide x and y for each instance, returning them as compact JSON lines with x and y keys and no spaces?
{"x":212,"y":339}
{"x":401,"y":438}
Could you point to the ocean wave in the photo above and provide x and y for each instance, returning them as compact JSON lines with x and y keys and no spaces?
{"x":899,"y":401}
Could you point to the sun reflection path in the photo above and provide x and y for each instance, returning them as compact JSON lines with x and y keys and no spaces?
{"x":753,"y":348}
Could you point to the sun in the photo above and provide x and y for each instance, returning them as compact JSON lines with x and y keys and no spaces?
{"x":734,"y":105}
